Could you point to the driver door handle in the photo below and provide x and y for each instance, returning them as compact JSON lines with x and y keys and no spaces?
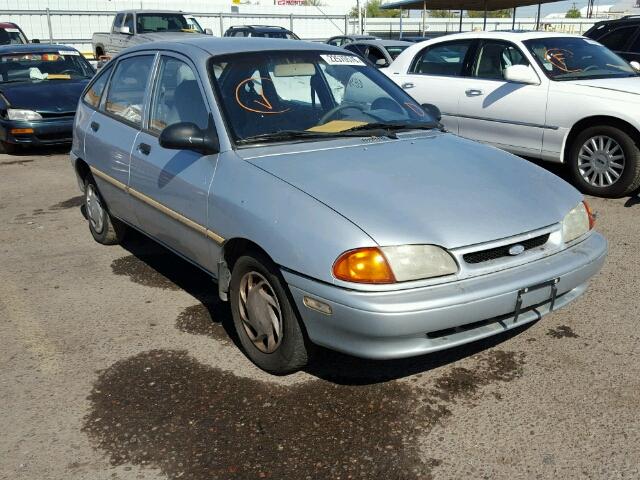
{"x":144,"y":148}
{"x":473,"y":92}
{"x":407,"y":85}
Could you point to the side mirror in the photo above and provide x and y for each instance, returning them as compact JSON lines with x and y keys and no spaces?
{"x":433,"y":111}
{"x":35,"y":40}
{"x":208,"y":31}
{"x":635,"y":65}
{"x":125,"y":30}
{"x":521,"y":74}
{"x":188,"y":136}
{"x":381,"y":62}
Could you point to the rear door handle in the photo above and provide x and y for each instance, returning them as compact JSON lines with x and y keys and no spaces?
{"x":473,"y":92}
{"x":95,"y":126}
{"x":407,"y":85}
{"x":144,"y":148}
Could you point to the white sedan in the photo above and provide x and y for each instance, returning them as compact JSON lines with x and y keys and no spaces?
{"x":550,"y":96}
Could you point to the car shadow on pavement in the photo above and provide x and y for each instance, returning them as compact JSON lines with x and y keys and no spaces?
{"x":157,"y":266}
{"x":40,"y":150}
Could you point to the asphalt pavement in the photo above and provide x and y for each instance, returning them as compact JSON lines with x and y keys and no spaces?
{"x":118,"y":363}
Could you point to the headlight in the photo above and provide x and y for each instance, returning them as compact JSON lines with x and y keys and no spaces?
{"x":18,"y":114}
{"x":394,"y":264}
{"x":577,"y":222}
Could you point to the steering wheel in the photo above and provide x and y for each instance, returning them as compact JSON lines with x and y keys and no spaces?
{"x":339,"y":108}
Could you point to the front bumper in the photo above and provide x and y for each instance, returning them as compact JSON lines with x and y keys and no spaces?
{"x":404,"y":323}
{"x":50,"y":131}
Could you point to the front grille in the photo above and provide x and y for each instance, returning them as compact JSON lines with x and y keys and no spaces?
{"x":57,"y":114}
{"x":503,"y":251}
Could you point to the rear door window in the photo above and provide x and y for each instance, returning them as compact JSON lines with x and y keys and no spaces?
{"x":617,"y":39}
{"x":443,"y":59}
{"x":125,"y":98}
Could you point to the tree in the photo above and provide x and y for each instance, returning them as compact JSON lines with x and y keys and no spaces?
{"x":443,"y":13}
{"x":573,"y":12}
{"x":373,"y":10}
{"x":504,"y":13}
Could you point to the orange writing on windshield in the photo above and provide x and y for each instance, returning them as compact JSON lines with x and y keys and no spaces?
{"x":258,"y":105}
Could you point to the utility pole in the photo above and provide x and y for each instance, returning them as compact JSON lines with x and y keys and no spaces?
{"x":359,"y":17}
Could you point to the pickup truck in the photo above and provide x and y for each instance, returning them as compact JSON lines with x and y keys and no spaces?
{"x":133,"y":27}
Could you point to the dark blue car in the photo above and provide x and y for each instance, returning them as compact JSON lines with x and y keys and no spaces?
{"x":39,"y":90}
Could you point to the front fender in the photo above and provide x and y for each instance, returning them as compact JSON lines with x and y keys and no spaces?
{"x":297,"y":231}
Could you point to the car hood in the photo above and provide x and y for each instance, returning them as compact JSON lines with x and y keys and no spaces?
{"x":624,"y":85}
{"x":166,"y":36}
{"x":46,"y":96}
{"x":433,"y":189}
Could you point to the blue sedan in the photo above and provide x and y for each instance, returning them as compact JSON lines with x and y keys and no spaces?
{"x":39,"y":90}
{"x":329,"y":206}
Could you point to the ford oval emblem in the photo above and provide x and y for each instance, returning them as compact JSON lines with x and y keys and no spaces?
{"x":516,"y":250}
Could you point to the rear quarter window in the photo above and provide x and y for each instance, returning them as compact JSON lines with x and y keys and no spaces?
{"x":94,"y":92}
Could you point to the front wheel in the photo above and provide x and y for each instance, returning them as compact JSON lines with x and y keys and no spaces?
{"x":265,"y":321}
{"x":605,"y":161}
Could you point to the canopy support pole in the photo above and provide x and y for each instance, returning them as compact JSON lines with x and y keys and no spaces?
{"x":401,"y":14}
{"x":424,"y":18}
{"x":359,"y":17}
{"x":513,"y":21}
{"x":484,"y":25}
{"x":538,"y":18}
{"x":460,"y":21}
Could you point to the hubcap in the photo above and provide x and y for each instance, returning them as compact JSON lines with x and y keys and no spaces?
{"x":601,"y":161}
{"x":94,"y":209}
{"x":260,"y":312}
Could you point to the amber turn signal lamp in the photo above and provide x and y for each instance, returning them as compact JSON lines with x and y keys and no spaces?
{"x":363,"y":265}
{"x":21,"y":131}
{"x":590,"y":214}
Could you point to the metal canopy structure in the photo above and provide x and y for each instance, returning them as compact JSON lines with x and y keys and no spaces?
{"x":478,"y":5}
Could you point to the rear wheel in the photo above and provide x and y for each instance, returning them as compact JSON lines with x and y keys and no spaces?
{"x":605,"y":161}
{"x":265,"y":321}
{"x":103,"y":227}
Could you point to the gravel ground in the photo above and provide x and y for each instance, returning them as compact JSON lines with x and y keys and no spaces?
{"x":116,"y":363}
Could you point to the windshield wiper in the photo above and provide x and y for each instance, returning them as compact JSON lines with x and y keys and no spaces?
{"x":394,"y":126}
{"x":285,"y":135}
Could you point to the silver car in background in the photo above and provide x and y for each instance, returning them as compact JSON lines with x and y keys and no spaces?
{"x":327,"y":204}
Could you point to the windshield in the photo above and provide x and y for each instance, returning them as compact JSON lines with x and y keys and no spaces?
{"x":166,"y":22}
{"x":311,"y":93}
{"x":32,"y":67}
{"x":568,"y":58}
{"x":395,"y":51}
{"x":11,"y":36}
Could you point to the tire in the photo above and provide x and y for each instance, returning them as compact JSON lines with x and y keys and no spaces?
{"x":599,"y":154}
{"x":8,"y":148}
{"x":103,"y":227}
{"x":288,"y":351}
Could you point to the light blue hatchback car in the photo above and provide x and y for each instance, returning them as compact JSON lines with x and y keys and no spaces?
{"x":329,"y":206}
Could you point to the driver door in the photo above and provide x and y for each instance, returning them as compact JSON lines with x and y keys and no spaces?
{"x":170,"y":187}
{"x":508,"y":115}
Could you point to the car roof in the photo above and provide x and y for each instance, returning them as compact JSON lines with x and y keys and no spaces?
{"x":383,"y":43}
{"x":230,"y":45}
{"x":8,"y":25}
{"x":151,"y":11}
{"x":511,"y":35}
{"x":626,"y":19}
{"x":33,"y":48}
{"x":259,"y":27}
